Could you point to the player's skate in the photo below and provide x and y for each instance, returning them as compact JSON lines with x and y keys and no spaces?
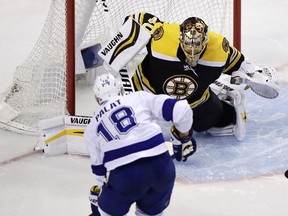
{"x":235,"y":98}
{"x":262,"y":81}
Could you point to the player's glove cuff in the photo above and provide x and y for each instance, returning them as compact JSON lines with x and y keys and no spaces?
{"x":94,"y":194}
{"x":182,"y":147}
{"x":93,"y":197}
{"x":175,"y":137}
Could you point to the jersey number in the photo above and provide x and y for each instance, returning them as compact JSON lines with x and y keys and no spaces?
{"x":123,"y":120}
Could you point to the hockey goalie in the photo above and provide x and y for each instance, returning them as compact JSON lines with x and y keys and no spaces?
{"x":189,"y":62}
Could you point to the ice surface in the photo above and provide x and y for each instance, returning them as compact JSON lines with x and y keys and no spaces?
{"x":225,"y":177}
{"x":264,"y":151}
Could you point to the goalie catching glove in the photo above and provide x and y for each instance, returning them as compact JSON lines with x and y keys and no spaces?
{"x":261,"y":81}
{"x":93,"y":197}
{"x":182,"y":147}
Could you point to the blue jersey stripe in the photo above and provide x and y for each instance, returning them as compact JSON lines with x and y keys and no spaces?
{"x":167,"y":109}
{"x":99,"y":170}
{"x":133,"y":148}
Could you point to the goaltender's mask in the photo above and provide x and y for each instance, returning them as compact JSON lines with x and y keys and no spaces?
{"x":193,"y":38}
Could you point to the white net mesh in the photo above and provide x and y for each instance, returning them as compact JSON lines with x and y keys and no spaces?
{"x":218,"y":14}
{"x":38,"y":90}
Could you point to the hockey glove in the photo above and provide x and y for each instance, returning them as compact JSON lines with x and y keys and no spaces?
{"x":182,"y":147}
{"x":263,"y":81}
{"x":93,"y":197}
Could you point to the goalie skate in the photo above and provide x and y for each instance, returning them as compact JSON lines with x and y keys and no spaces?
{"x":262,"y":82}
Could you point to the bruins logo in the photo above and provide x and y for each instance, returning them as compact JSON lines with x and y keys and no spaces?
{"x":225,"y":45}
{"x":158,"y":33}
{"x":180,"y":86}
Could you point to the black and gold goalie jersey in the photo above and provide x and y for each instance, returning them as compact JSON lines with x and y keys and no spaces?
{"x":164,"y":69}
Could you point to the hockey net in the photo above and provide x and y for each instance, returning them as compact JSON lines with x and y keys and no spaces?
{"x":39,"y":88}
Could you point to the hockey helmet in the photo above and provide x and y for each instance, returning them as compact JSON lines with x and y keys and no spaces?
{"x":106,"y":85}
{"x":193,"y":38}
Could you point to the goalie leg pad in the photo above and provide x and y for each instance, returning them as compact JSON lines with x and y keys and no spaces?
{"x":235,"y":98}
{"x":63,"y":134}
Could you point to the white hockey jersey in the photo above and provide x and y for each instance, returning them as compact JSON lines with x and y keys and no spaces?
{"x":124,"y":129}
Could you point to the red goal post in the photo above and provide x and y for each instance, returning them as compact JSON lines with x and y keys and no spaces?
{"x":44,"y":85}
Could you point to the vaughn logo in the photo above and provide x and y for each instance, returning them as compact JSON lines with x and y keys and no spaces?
{"x":80,"y":120}
{"x":112,"y":43}
{"x":126,"y":81}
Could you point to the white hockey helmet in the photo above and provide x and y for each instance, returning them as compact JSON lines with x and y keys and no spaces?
{"x":106,"y":85}
{"x":193,"y":38}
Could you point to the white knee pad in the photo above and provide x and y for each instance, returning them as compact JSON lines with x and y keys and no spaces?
{"x":236,"y":98}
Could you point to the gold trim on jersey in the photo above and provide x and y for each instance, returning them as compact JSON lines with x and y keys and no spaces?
{"x":210,"y":63}
{"x":137,"y":82}
{"x":164,"y":57}
{"x":146,"y":22}
{"x":139,"y":17}
{"x":139,"y":74}
{"x":204,"y":98}
{"x":234,"y":58}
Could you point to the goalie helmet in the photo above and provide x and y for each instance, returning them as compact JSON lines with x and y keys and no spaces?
{"x":193,"y":38}
{"x":106,"y":86}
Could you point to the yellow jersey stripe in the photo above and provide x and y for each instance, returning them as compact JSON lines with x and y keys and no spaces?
{"x":204,"y":98}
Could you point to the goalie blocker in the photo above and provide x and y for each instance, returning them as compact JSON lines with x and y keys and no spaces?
{"x":125,"y":45}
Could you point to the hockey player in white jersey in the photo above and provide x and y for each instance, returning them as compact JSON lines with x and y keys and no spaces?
{"x":129,"y":156}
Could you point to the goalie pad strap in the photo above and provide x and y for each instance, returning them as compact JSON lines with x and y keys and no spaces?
{"x":236,"y":98}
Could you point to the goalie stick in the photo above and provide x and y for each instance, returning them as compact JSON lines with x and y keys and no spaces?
{"x":170,"y":148}
{"x":129,"y":40}
{"x":126,"y":81}
{"x":119,"y":51}
{"x":19,"y":157}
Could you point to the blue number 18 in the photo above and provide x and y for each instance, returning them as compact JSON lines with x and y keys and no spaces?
{"x":123,"y":120}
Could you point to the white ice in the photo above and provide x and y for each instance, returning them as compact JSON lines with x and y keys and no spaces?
{"x":224,"y":178}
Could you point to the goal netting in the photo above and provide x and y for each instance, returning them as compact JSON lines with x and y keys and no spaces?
{"x":39,"y":88}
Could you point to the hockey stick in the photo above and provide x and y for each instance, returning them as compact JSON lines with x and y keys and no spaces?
{"x":170,"y":148}
{"x":17,"y":158}
{"x":126,"y":81}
